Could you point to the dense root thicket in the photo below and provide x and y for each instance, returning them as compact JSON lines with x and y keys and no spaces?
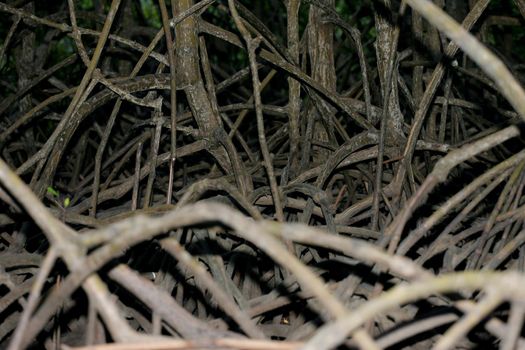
{"x":262,"y":175}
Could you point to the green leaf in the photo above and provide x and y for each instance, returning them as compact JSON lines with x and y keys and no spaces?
{"x":52,"y":192}
{"x":67,"y":201}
